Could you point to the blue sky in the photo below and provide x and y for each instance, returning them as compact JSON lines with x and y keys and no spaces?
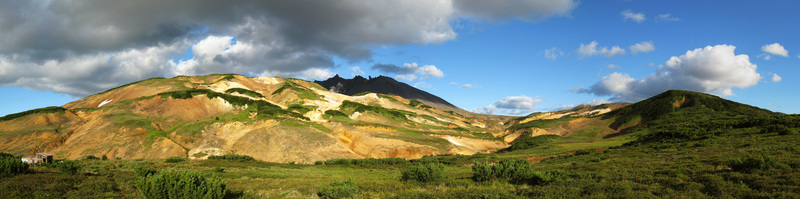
{"x":499,"y":59}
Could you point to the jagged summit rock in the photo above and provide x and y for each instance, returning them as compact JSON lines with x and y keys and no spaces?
{"x":380,"y":84}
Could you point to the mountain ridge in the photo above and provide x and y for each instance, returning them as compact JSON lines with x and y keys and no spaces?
{"x":380,"y":84}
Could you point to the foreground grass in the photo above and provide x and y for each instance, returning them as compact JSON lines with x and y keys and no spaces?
{"x":738,"y":163}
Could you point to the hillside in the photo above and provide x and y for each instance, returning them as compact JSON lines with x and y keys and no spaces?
{"x":706,"y":147}
{"x":270,"y":119}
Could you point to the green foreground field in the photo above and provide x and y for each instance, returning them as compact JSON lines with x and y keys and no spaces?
{"x":700,"y":168}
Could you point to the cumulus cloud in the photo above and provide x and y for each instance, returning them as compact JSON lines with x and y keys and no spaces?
{"x":531,"y":10}
{"x":713,"y":69}
{"x":591,"y":49}
{"x":553,"y":53}
{"x":466,"y":86}
{"x":511,"y":105}
{"x":642,"y":47}
{"x":775,"y":49}
{"x":630,"y":15}
{"x":663,"y":18}
{"x":410,"y":71}
{"x":776,"y":78}
{"x":100,"y":45}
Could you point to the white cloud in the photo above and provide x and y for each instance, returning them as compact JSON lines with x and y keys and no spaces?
{"x":642,"y":47}
{"x":83,"y":48}
{"x":316,"y":74}
{"x":775,"y":49}
{"x":511,"y":105}
{"x":713,"y":69}
{"x":776,"y":78}
{"x":410,"y":71}
{"x":591,"y":50}
{"x":613,"y":66}
{"x":553,"y":53}
{"x":408,"y":77}
{"x":662,"y":18}
{"x":518,"y":102}
{"x":422,"y":85}
{"x":465,"y":85}
{"x":637,"y":17}
{"x":356,"y":71}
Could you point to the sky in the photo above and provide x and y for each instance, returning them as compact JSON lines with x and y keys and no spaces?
{"x":505,"y":57}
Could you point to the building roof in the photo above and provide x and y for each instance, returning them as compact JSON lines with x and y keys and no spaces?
{"x":28,"y":156}
{"x":43,"y":153}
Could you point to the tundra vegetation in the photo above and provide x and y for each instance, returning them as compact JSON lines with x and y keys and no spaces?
{"x":674,"y":145}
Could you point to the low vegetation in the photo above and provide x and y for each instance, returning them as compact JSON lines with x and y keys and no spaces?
{"x":49,"y":109}
{"x":180,"y":184}
{"x":245,"y":92}
{"x":11,"y":166}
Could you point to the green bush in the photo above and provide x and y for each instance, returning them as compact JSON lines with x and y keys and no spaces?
{"x":482,"y":172}
{"x":319,"y":162}
{"x":232,"y":157}
{"x":424,"y":173}
{"x":104,"y":157}
{"x":180,"y":184}
{"x":91,"y":157}
{"x":219,"y":169}
{"x":366,"y":161}
{"x":511,"y":169}
{"x":339,"y":189}
{"x":174,"y":160}
{"x":69,"y":167}
{"x":11,"y":166}
{"x":142,"y":171}
{"x":545,"y":177}
{"x":753,"y":163}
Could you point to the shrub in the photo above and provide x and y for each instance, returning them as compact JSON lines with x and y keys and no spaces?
{"x":174,"y":160}
{"x":582,"y":152}
{"x":339,"y":189}
{"x":69,"y":167}
{"x":545,"y":177}
{"x":11,"y":166}
{"x":424,"y":173}
{"x":232,"y":157}
{"x":318,"y":162}
{"x":180,"y":184}
{"x":91,"y":157}
{"x":104,"y":157}
{"x":482,"y":172}
{"x":752,"y":163}
{"x":512,"y":169}
{"x":219,"y":169}
{"x":144,"y":171}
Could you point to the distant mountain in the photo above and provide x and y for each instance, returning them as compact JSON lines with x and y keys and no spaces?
{"x":380,"y":84}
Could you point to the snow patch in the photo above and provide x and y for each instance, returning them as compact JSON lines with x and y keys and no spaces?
{"x":105,"y":102}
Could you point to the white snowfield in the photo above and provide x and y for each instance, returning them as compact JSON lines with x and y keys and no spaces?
{"x":105,"y":102}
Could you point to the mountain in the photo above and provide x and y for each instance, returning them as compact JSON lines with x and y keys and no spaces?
{"x":380,"y":84}
{"x":269,"y":118}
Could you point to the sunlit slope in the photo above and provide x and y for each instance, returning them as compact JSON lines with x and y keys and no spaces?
{"x":271,"y":119}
